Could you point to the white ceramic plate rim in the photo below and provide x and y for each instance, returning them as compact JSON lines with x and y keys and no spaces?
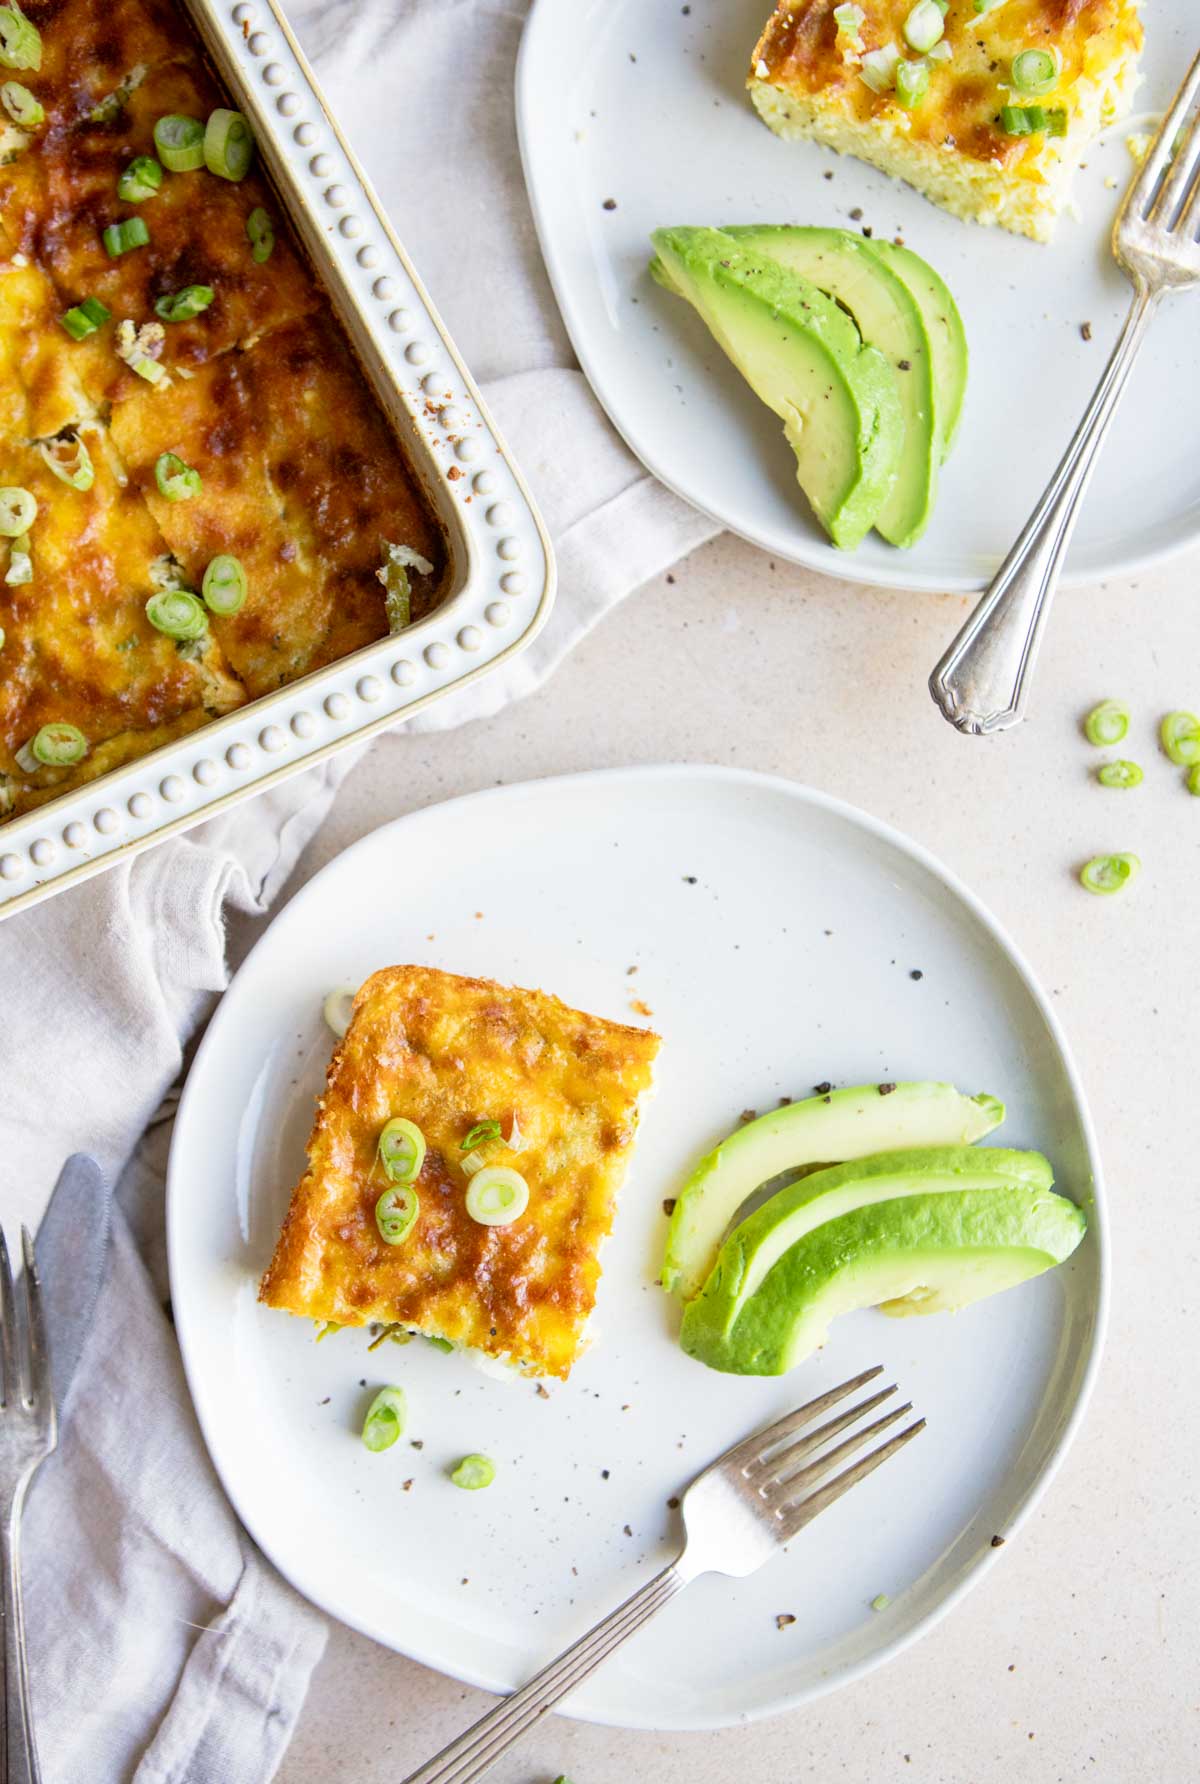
{"x":794,"y":546}
{"x":191,"y":1342}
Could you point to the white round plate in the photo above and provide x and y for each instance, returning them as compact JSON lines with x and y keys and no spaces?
{"x":775,"y":933}
{"x":643,"y":102}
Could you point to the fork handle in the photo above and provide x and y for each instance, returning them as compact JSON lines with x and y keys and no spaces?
{"x":476,"y":1751}
{"x":20,"y":1748}
{"x":981,"y":683}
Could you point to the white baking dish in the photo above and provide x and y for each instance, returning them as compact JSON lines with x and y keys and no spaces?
{"x":501,"y":581}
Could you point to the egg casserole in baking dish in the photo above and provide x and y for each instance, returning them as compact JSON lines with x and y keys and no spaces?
{"x":200,"y":497}
{"x":513,"y":1118}
{"x":985,"y":106}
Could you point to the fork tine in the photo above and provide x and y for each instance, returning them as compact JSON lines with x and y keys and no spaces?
{"x":809,"y":1508}
{"x":9,"y":1380}
{"x":753,"y":1448}
{"x":787,"y":1490}
{"x":38,"y":1383}
{"x":1137,"y":200}
{"x":774,"y":1466}
{"x":1180,"y":174}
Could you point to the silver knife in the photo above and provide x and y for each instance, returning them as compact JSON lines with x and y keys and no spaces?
{"x":72,"y":1249}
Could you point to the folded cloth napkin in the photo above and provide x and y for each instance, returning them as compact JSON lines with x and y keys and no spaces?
{"x":163,"y":1646}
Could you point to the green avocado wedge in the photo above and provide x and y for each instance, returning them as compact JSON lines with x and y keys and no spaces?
{"x":758,"y":1243}
{"x":820,"y":1130}
{"x":888,"y":316}
{"x":804,"y":358}
{"x":944,"y":328}
{"x":920,"y":1254}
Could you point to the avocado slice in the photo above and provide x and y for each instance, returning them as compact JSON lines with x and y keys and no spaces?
{"x":944,"y":327}
{"x":820,"y":1130}
{"x":926,"y":1253}
{"x":803,"y":356}
{"x":889,"y":317}
{"x":756,"y":1245}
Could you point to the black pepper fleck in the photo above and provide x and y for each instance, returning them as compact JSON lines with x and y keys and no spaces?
{"x":822,"y":1089}
{"x":856,"y":214}
{"x":905,"y":365}
{"x":1085,"y":329}
{"x":604,"y":1474}
{"x":669,"y":1205}
{"x":689,"y":879}
{"x":610,"y":204}
{"x":784,"y":1619}
{"x":867,"y":231}
{"x":886,"y":1089}
{"x":997,"y":1542}
{"x":673,"y":1502}
{"x":916,"y":973}
{"x":418,"y":1442}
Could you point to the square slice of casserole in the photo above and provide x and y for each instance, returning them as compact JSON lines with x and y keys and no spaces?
{"x":971,"y":141}
{"x":447,"y":1053}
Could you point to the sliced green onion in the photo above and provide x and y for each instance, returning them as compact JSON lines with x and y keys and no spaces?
{"x":18,"y":511}
{"x":880,"y":1602}
{"x":20,"y":563}
{"x":1180,"y":735}
{"x":329,"y":1325}
{"x":397,"y":598}
{"x":912,"y":82}
{"x":181,"y":306}
{"x":1119,"y":774}
{"x":261,"y":234}
{"x":442,"y":1344}
{"x":1,"y":637}
{"x":924,"y":25}
{"x":85,"y":318}
{"x":140,"y":180}
{"x":20,"y":39}
{"x":474,"y":1472}
{"x":180,"y":142}
{"x":1054,"y":121}
{"x":21,"y":105}
{"x":68,"y":457}
{"x":224,"y":590}
{"x":385,"y":1419}
{"x":176,"y":480}
{"x":878,"y":69}
{"x":1193,"y":779}
{"x":59,"y":745}
{"x":150,"y":370}
{"x":1108,"y":873}
{"x":113,"y":104}
{"x":1107,"y":724}
{"x":497,"y":1195}
{"x":1018,"y":120}
{"x":1034,"y":71}
{"x":396,"y":1212}
{"x":941,"y":52}
{"x":479,"y":1135}
{"x":228,"y":145}
{"x":849,"y":21}
{"x":401,"y":1150}
{"x":178,"y":613}
{"x":339,"y":1005}
{"x":119,"y":238}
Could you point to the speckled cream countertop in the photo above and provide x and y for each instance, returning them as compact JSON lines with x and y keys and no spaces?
{"x":1079,"y":1657}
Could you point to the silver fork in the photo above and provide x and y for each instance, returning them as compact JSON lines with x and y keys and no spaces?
{"x":736,"y":1515}
{"x":28,"y":1433}
{"x":981,"y":683}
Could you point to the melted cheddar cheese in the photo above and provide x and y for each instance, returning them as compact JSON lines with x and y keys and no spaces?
{"x":446,"y":1053}
{"x":302,"y":478}
{"x":806,"y":80}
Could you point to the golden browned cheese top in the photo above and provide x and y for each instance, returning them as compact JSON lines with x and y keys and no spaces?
{"x":302,"y":478}
{"x":801,"y":52}
{"x":448,"y":1052}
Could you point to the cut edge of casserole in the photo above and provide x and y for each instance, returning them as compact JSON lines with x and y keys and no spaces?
{"x":806,"y":83}
{"x":448,"y":1052}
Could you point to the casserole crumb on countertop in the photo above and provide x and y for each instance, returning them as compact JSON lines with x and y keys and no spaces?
{"x":301,"y":478}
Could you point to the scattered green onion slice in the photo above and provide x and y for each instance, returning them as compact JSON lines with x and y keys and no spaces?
{"x":68,"y":457}
{"x":878,"y":69}
{"x":912,"y":82}
{"x":880,"y":1602}
{"x":1054,"y":121}
{"x":20,"y":563}
{"x":18,"y":511}
{"x":1180,"y":735}
{"x":176,"y":480}
{"x":924,"y":25}
{"x":130,"y":233}
{"x":401,"y":1150}
{"x":180,"y":142}
{"x":1108,"y":873}
{"x":85,"y":318}
{"x":1,"y":637}
{"x":261,"y":234}
{"x":396,"y":1212}
{"x":1193,"y":779}
{"x":178,"y":613}
{"x":479,"y":1134}
{"x":20,"y":39}
{"x":385,"y":1419}
{"x":224,"y":589}
{"x":1107,"y":724}
{"x":339,"y":1005}
{"x":1034,"y":71}
{"x":228,"y":144}
{"x":21,"y":105}
{"x":149,"y":369}
{"x":58,"y":745}
{"x":442,"y":1344}
{"x":181,"y":306}
{"x":474,"y":1472}
{"x":1119,"y":774}
{"x":140,"y":180}
{"x":328,"y":1326}
{"x":941,"y":52}
{"x":849,"y":18}
{"x":1018,"y":120}
{"x":497,"y":1195}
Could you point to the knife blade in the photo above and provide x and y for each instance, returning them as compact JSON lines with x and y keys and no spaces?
{"x":71,"y":1250}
